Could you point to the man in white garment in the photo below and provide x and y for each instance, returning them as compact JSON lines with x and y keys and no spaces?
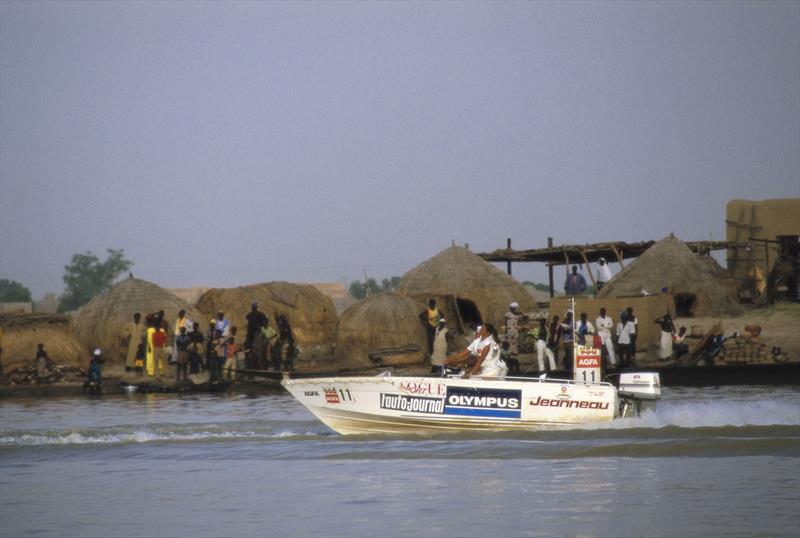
{"x":603,"y":273}
{"x":604,"y":325}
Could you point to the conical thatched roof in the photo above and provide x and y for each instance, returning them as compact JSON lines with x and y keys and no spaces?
{"x":458,"y":274}
{"x":386,"y":326}
{"x":22,"y":333}
{"x":670,"y":264}
{"x":101,"y":321}
{"x":311,"y":314}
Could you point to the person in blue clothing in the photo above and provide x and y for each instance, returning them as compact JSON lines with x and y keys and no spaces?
{"x":94,"y":377}
{"x":575,"y":283}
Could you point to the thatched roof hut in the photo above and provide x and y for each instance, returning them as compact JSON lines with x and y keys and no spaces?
{"x":381,"y":330}
{"x":23,"y":332}
{"x":467,"y":288}
{"x":310,"y":313}
{"x":102,"y":320}
{"x":692,"y":281}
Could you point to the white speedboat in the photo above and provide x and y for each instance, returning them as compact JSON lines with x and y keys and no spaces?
{"x":388,"y":404}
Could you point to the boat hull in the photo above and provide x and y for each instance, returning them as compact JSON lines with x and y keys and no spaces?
{"x":385,"y":404}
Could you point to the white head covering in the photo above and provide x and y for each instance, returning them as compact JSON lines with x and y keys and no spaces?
{"x":97,"y":352}
{"x":513,"y":305}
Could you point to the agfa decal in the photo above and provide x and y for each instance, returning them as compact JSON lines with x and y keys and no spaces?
{"x":468,"y":401}
{"x":588,"y":362}
{"x":311,"y":393}
{"x":401,"y":402}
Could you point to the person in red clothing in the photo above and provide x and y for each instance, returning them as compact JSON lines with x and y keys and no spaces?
{"x":159,"y":351}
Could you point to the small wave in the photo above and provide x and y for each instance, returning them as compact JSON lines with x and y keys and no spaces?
{"x":141,"y":436}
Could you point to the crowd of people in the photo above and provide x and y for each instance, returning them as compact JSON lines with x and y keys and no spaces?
{"x":554,"y":339}
{"x":154,"y":345}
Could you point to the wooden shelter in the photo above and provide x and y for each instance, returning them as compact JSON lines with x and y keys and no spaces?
{"x":466,"y":288}
{"x":584,"y":255}
{"x":310,"y":313}
{"x":381,"y":330}
{"x":101,"y":322}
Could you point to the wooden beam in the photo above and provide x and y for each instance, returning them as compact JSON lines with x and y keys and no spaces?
{"x":550,"y":269}
{"x":618,"y":254}
{"x":508,"y":263}
{"x":589,"y":269}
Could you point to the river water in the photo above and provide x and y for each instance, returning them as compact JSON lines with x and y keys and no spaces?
{"x":709,"y":462}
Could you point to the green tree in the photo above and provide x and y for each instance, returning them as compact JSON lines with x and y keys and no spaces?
{"x":12,"y":291}
{"x":390,"y":284}
{"x":86,"y":277}
{"x":537,"y":285}
{"x":359,"y":290}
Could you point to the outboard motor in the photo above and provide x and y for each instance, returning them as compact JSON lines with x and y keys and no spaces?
{"x":638,"y":391}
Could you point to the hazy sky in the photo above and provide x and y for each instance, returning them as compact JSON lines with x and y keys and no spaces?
{"x":222,"y":144}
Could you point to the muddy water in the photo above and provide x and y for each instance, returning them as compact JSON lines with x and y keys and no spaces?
{"x":709,"y":461}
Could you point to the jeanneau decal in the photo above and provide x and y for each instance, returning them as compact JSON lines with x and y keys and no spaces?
{"x":579,"y":404}
{"x":415,"y":404}
{"x":473,"y":402}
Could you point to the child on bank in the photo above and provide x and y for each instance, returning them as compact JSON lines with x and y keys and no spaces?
{"x":138,"y":362}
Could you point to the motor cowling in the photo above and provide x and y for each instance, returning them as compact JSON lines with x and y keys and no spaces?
{"x":640,"y":385}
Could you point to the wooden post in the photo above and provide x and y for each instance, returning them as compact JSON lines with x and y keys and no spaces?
{"x":588,"y":269}
{"x":618,"y":254}
{"x":550,"y":269}
{"x":508,"y":262}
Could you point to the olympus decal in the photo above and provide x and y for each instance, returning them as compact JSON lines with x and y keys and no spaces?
{"x":468,"y":401}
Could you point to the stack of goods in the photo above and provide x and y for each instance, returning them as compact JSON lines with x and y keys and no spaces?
{"x":746,"y":348}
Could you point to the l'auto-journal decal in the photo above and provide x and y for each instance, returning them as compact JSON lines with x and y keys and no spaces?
{"x":415,"y":404}
{"x":471,"y":402}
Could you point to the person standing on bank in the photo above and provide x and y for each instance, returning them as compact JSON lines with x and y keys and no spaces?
{"x":603,"y":273}
{"x":554,"y":338}
{"x":159,"y":343}
{"x":133,"y":337}
{"x":604,"y":326}
{"x":181,"y":351}
{"x":575,"y":284}
{"x":430,"y":319}
{"x":667,"y":330}
{"x":223,"y":325}
{"x":181,"y":323}
{"x":439,"y":347}
{"x":512,"y":318}
{"x":624,"y":330}
{"x":542,"y":348}
{"x":255,"y":320}
{"x":42,"y":360}
{"x":634,"y":328}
